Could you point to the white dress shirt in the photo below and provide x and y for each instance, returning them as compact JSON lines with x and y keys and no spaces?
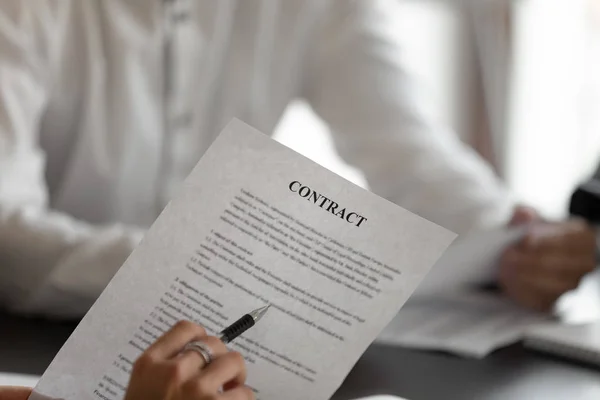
{"x":106,"y":105}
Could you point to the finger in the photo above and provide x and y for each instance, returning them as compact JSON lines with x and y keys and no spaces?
{"x":15,"y":393}
{"x":227,"y":370}
{"x":172,"y":342}
{"x":523,"y":215}
{"x":511,"y":263}
{"x":550,"y":275}
{"x":530,"y":299}
{"x":549,"y":266}
{"x":195,"y":359}
{"x":525,"y":281}
{"x":239,"y":393}
{"x":565,"y":267}
{"x":550,"y":286}
{"x":515,"y":263}
{"x":542,"y":234}
{"x":187,"y":364}
{"x":528,"y":296}
{"x":580,"y":246}
{"x":572,"y":238}
{"x":583,"y":264}
{"x":529,"y":242}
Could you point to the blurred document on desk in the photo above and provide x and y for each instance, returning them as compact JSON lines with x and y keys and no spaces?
{"x":580,"y":342}
{"x":256,"y":223}
{"x":469,"y":324}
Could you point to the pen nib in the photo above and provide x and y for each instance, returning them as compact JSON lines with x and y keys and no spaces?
{"x":259,"y":313}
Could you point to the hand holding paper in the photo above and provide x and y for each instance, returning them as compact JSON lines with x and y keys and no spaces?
{"x":551,"y":260}
{"x":255,"y":224}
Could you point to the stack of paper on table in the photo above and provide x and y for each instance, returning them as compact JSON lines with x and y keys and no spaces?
{"x":580,"y":342}
{"x":474,"y":323}
{"x":465,"y":323}
{"x":8,"y":379}
{"x":256,"y":223}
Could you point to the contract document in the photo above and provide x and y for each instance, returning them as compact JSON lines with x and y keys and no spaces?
{"x":254,"y":224}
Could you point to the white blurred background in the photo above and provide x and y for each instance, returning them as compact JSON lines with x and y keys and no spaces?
{"x":519,"y":80}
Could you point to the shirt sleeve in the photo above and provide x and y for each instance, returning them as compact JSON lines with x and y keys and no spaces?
{"x":357,"y":82}
{"x":50,"y":263}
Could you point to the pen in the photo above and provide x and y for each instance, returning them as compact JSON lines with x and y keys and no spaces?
{"x":243,"y":324}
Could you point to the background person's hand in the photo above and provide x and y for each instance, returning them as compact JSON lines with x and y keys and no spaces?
{"x":164,"y":373}
{"x":14,"y":393}
{"x":548,"y":262}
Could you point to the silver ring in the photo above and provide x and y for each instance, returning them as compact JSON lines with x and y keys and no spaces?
{"x":200,"y":348}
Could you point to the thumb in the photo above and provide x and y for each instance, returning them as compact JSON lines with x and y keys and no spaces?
{"x":523,"y":216}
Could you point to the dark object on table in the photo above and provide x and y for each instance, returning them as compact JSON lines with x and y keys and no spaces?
{"x":585,"y":201}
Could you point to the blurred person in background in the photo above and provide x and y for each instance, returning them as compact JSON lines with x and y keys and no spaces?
{"x":106,"y":105}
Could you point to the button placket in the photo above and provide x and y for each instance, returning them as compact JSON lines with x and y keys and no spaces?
{"x":177,"y":110}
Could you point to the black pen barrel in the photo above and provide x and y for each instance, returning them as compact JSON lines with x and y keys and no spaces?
{"x":237,"y":328}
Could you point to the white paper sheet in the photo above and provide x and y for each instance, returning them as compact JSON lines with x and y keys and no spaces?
{"x":464,"y":323}
{"x":244,"y":231}
{"x":471,"y":260}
